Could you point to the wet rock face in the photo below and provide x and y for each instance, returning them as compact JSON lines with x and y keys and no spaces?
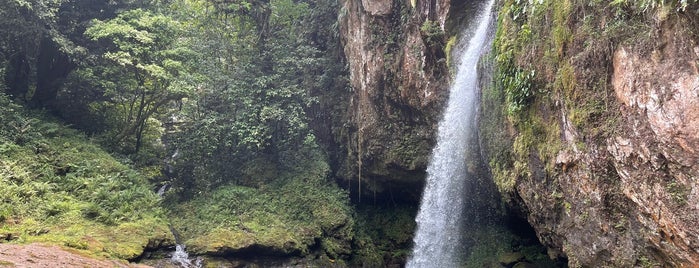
{"x":632,"y":198}
{"x":398,"y":86}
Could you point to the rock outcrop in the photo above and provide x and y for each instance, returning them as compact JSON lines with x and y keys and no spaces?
{"x":603,"y":161}
{"x":398,"y":78}
{"x":656,"y":153}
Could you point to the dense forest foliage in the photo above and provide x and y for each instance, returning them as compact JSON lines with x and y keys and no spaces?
{"x":209,"y":79}
{"x":106,"y":102}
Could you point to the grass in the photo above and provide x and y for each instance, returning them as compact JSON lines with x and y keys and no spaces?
{"x":58,"y":188}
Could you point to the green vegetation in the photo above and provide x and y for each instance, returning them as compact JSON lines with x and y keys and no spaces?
{"x":565,"y":68}
{"x":432,"y":32}
{"x":645,"y":262}
{"x":383,"y":235}
{"x":297,"y":213}
{"x":648,"y":5}
{"x":56,"y":187}
{"x":251,"y":107}
{"x":224,"y":93}
{"x":679,"y":192}
{"x":518,"y":90}
{"x":140,"y":74}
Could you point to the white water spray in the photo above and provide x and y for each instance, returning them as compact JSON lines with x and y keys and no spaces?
{"x":181,"y":257}
{"x":437,"y":241}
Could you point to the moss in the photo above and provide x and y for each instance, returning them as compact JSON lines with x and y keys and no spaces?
{"x":432,"y":33}
{"x":504,"y":178}
{"x":293,"y":214}
{"x":565,"y":80}
{"x":647,"y":5}
{"x":447,"y":50}
{"x":221,"y":239}
{"x":492,"y":244}
{"x":383,"y":235}
{"x":561,"y":34}
{"x":679,"y":192}
{"x":567,"y":59}
{"x":58,"y":188}
{"x":646,"y":262}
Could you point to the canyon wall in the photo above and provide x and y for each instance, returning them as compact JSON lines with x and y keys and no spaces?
{"x":600,"y":151}
{"x":398,"y":84}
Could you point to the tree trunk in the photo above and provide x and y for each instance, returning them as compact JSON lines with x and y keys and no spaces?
{"x":53,"y":66}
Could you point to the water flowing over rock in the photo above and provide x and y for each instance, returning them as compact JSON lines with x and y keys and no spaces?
{"x":181,"y":257}
{"x":440,"y":221}
{"x":161,"y":191}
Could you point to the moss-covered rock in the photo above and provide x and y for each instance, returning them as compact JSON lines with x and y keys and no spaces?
{"x":298,"y":213}
{"x":399,"y":79}
{"x":383,"y":235}
{"x":586,"y":156}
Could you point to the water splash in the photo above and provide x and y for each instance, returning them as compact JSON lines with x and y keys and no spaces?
{"x":437,"y":241}
{"x":181,"y":258}
{"x":163,"y":189}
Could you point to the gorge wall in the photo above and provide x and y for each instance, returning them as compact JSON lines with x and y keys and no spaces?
{"x":398,"y":78}
{"x":599,"y":105}
{"x":590,"y":126}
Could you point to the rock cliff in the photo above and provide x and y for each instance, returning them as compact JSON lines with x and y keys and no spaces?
{"x":600,"y":151}
{"x":398,"y":78}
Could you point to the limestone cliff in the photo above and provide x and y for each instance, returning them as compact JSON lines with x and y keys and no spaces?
{"x":600,"y":104}
{"x":398,"y":78}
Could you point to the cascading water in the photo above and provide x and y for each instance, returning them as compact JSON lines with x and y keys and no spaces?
{"x":180,"y":257}
{"x":437,"y":241}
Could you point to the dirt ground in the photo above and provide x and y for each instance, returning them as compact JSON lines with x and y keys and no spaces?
{"x":40,"y":256}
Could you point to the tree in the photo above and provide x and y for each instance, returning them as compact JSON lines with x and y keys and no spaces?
{"x":23,"y":27}
{"x":41,"y":43}
{"x":145,"y":67}
{"x":256,"y":76}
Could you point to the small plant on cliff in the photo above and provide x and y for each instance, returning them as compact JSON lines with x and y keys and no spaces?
{"x":645,"y":262}
{"x":432,"y":33}
{"x":518,"y":89}
{"x":678,"y":192}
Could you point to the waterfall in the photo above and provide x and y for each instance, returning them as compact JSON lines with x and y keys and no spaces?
{"x":180,"y":257}
{"x":437,"y":241}
{"x":163,"y":189}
